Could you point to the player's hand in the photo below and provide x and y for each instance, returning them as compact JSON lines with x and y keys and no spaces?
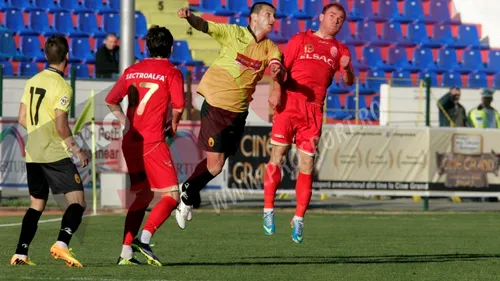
{"x":344,"y":61}
{"x":83,"y":158}
{"x":276,"y":73}
{"x":274,"y":100}
{"x":184,"y":13}
{"x":174,"y":128}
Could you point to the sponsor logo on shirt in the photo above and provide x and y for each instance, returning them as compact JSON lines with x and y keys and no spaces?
{"x":248,"y":62}
{"x":64,"y":101}
{"x":141,"y":75}
{"x":325,"y":59}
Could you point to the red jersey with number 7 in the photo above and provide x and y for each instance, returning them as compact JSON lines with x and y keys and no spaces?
{"x":150,"y":86}
{"x":312,"y":62}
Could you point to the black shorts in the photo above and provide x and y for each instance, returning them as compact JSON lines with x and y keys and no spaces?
{"x":62,"y":177}
{"x":221,"y":130}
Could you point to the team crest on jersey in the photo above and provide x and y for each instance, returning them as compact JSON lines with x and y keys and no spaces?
{"x":77,"y":179}
{"x":211,"y":142}
{"x":64,"y":101}
{"x":334,"y":51}
{"x":308,"y":48}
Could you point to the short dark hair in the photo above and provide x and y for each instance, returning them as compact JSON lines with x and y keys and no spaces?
{"x":336,"y":5}
{"x":159,"y":41}
{"x":257,"y":6}
{"x":56,"y":49}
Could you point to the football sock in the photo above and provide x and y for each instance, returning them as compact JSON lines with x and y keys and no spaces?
{"x":145,"y":237}
{"x":127,"y":252}
{"x":28,"y":230}
{"x":158,"y":216}
{"x":70,"y":222}
{"x":135,"y":216}
{"x":272,"y":180}
{"x":62,"y":244}
{"x":303,"y":192}
{"x":196,"y":182}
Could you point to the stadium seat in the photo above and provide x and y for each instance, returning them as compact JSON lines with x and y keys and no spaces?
{"x":241,"y":21}
{"x":417,"y":34}
{"x":115,"y":4}
{"x":5,"y":6}
{"x":346,"y":37}
{"x":447,"y":60}
{"x":496,"y":81}
{"x":367,"y":32}
{"x":398,"y":58}
{"x":364,"y":9}
{"x":28,"y":69}
{"x":99,"y":7}
{"x":313,"y":7}
{"x":361,"y":108}
{"x":401,"y":78}
{"x":313,"y":24}
{"x":493,"y":64}
{"x":137,"y":51}
{"x":413,"y":10}
{"x":279,"y":13}
{"x":388,"y":9}
{"x":88,"y":24}
{"x":63,"y":23}
{"x":30,"y":47}
{"x":39,"y":22}
{"x":375,"y":108}
{"x":8,"y":48}
{"x":374,"y":59}
{"x":184,"y":70}
{"x":334,"y":108}
{"x":7,"y":68}
{"x":182,"y":54}
{"x":291,"y":9}
{"x":477,"y":79}
{"x":392,"y":32}
{"x":355,"y":61}
{"x":111,"y":23}
{"x":451,"y":79}
{"x":337,"y":88}
{"x":80,"y":51}
{"x":374,"y":79}
{"x":469,"y":36}
{"x":74,"y":7}
{"x":50,"y":6}
{"x":439,"y":12}
{"x":423,"y":59}
{"x":289,"y":27}
{"x":14,"y":20}
{"x":429,"y":74}
{"x":199,"y":71}
{"x":472,"y":60}
{"x":141,"y":26}
{"x":24,"y":5}
{"x":239,"y":7}
{"x":442,"y":34}
{"x":214,"y":7}
{"x":81,"y":70}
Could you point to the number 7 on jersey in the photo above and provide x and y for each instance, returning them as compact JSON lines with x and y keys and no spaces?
{"x":40,"y":95}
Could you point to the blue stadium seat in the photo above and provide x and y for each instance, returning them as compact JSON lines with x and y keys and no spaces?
{"x":277,"y":37}
{"x":469,"y":36}
{"x":374,"y":59}
{"x":392,"y":32}
{"x":388,"y":9}
{"x":81,"y":70}
{"x":367,"y":32}
{"x":214,"y":7}
{"x":401,"y":78}
{"x":346,"y":37}
{"x":313,"y":7}
{"x":184,"y":70}
{"x":337,"y":88}
{"x":111,"y":23}
{"x":279,"y":13}
{"x":199,"y":71}
{"x":442,"y":34}
{"x":63,"y":23}
{"x":5,"y":6}
{"x":451,"y":79}
{"x":375,"y":108}
{"x":100,"y":7}
{"x":361,"y":108}
{"x":493,"y":64}
{"x":30,"y":46}
{"x":74,"y":7}
{"x":28,"y":69}
{"x":472,"y":60}
{"x":241,"y":21}
{"x":7,"y":68}
{"x":24,"y":5}
{"x":334,"y":108}
{"x":141,"y":26}
{"x":115,"y":4}
{"x":80,"y":51}
{"x":8,"y":48}
{"x":289,"y":27}
{"x":439,"y":12}
{"x":313,"y":24}
{"x":50,"y":6}
{"x":88,"y":24}
{"x":355,"y":61}
{"x":364,"y":9}
{"x":417,"y":34}
{"x":398,"y":58}
{"x":291,"y":9}
{"x":496,"y":81}
{"x":137,"y":50}
{"x":182,"y":54}
{"x":477,"y":79}
{"x":423,"y":59}
{"x":39,"y":22}
{"x":413,"y":10}
{"x":14,"y":20}
{"x":431,"y":74}
{"x":239,"y":7}
{"x":447,"y":60}
{"x":374,"y":79}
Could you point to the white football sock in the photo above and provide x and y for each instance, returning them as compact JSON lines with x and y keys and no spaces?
{"x":62,"y":244}
{"x":298,"y":218}
{"x":126,"y":252}
{"x":21,"y":256}
{"x":145,"y":236}
{"x":266,"y":210}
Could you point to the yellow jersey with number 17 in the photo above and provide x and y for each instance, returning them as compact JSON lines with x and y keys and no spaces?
{"x":230,"y":81}
{"x":45,"y":93}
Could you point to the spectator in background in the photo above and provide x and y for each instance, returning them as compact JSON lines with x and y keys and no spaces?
{"x":107,"y":58}
{"x":485,"y":116}
{"x":451,"y":112}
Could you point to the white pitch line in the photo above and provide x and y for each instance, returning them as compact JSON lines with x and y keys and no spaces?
{"x":84,"y":279}
{"x":41,"y":221}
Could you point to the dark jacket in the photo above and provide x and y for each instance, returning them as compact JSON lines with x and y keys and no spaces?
{"x":453,"y":110}
{"x":107,"y":62}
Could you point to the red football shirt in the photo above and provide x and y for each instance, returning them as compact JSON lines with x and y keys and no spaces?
{"x":312,"y":62}
{"x":150,"y":86}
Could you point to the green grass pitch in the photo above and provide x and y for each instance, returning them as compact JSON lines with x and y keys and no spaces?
{"x":232,"y":246}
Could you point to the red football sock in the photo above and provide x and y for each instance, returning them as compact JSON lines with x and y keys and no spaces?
{"x":303,"y":192}
{"x":272,"y":180}
{"x":134,"y":218}
{"x":160,"y":213}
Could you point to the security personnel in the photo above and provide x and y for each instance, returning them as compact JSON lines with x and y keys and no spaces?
{"x":485,"y":116}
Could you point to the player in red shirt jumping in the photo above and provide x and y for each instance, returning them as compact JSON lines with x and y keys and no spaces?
{"x":150,"y":86}
{"x":312,"y":59}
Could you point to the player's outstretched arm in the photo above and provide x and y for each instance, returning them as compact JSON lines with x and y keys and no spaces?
{"x":64,"y":132}
{"x":195,"y":21}
{"x":348,"y":74}
{"x":21,"y":119}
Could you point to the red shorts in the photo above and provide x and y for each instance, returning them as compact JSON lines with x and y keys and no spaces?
{"x":150,"y":166}
{"x":299,"y":122}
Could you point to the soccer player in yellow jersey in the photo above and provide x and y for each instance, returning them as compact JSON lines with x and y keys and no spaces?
{"x":44,"y":114}
{"x":228,"y":86}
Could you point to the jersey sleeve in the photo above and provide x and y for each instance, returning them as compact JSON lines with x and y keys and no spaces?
{"x":63,"y":98}
{"x":118,"y":92}
{"x":292,"y":50}
{"x":221,"y":32}
{"x":275,"y":56}
{"x":176,"y":88}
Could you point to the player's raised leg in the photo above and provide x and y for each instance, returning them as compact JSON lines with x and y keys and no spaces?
{"x":272,"y":180}
{"x":303,"y":192}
